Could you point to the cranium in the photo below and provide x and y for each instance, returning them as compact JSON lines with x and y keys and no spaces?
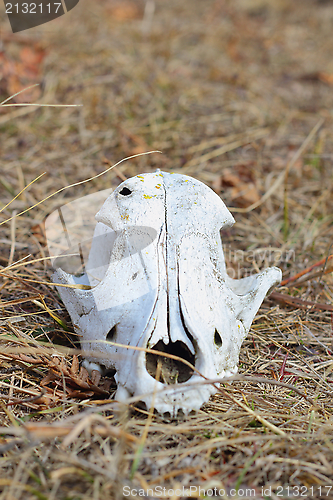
{"x":157,"y":280}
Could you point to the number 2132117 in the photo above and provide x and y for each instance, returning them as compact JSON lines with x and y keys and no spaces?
{"x":32,"y":8}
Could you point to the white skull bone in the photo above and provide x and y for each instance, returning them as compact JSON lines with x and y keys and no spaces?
{"x":158,"y":281}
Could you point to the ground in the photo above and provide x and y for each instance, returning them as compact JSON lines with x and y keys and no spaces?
{"x":237,"y":94}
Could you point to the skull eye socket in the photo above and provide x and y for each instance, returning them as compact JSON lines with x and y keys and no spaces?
{"x":112,"y":334}
{"x":217,"y":339}
{"x":125,"y":191}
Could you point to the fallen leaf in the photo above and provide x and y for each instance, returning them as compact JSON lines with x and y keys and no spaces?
{"x":241,"y":184}
{"x":22,"y":72}
{"x":32,"y":58}
{"x":124,"y":10}
{"x":39,"y":233}
{"x":326,"y":78}
{"x":74,"y":380}
{"x":132,"y":143}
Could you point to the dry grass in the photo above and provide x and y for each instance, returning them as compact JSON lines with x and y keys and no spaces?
{"x":239,"y":95}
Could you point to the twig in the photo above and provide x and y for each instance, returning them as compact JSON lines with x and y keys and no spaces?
{"x":303,"y":304}
{"x":305,"y":271}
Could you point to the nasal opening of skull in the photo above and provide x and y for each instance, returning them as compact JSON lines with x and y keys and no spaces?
{"x":172,"y":365}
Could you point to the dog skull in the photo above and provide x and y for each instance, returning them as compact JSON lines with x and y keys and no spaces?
{"x":157,"y":280}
